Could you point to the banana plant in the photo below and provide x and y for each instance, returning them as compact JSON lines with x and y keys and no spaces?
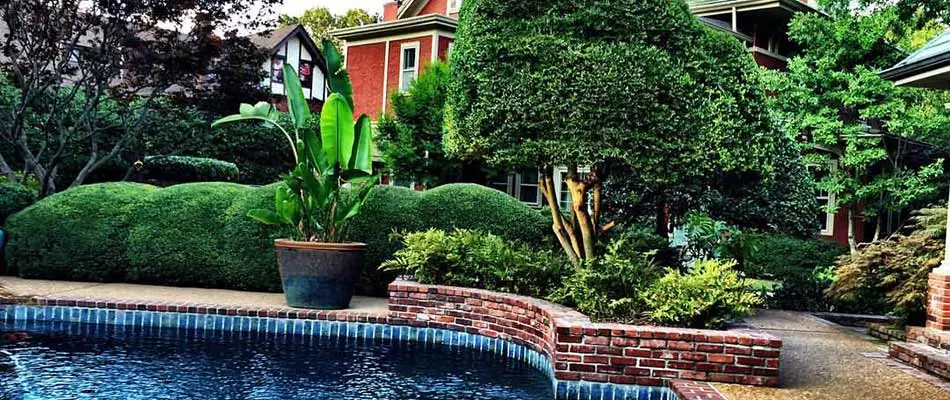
{"x":312,"y":197}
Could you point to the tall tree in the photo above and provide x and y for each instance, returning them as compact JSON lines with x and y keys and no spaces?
{"x":410,"y":136}
{"x":833,"y":101}
{"x":592,"y":84}
{"x":319,"y":21}
{"x":84,"y":74}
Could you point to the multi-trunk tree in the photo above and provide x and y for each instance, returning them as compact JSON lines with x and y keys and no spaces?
{"x":584,"y":85}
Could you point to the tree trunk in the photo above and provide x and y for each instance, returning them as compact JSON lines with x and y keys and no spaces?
{"x":562,"y":229}
{"x":5,"y":170}
{"x":851,"y":243}
{"x":662,"y":219}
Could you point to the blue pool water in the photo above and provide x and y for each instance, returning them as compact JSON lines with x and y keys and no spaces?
{"x":73,"y":361}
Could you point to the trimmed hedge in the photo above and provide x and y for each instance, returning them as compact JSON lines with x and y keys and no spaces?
{"x":198,"y":234}
{"x":179,"y":169}
{"x":14,"y":197}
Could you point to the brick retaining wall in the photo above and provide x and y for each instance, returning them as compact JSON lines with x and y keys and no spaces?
{"x":583,"y":350}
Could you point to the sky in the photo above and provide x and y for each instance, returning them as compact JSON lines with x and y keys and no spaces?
{"x":297,"y":7}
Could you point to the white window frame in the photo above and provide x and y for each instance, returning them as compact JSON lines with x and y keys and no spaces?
{"x":518,"y":185}
{"x":402,"y":63}
{"x":450,"y":9}
{"x":829,"y":227}
{"x":559,"y":183}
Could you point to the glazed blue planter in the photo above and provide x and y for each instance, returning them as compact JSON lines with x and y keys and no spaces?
{"x":319,"y":275}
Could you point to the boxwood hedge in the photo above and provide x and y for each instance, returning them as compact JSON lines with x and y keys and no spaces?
{"x":13,"y":198}
{"x":198,"y":234}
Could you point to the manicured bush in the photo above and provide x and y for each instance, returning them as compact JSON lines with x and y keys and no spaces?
{"x":199,"y":234}
{"x":387,"y":210}
{"x":14,"y":197}
{"x":169,"y":170}
{"x":476,"y":207}
{"x":609,"y":288}
{"x":477,"y":259}
{"x":800,"y":266}
{"x":708,"y":296}
{"x":78,"y":234}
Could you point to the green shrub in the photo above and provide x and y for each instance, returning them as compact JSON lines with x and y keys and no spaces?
{"x":800,"y":266}
{"x":78,"y":234}
{"x":608,"y":288}
{"x":388,"y":209}
{"x":891,"y":276}
{"x":199,"y":234}
{"x":476,"y":207}
{"x":177,"y":169}
{"x":477,"y":259}
{"x":14,"y":197}
{"x":709,"y":296}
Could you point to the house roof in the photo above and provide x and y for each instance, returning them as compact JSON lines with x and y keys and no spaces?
{"x":273,"y":39}
{"x":397,"y":27}
{"x":927,"y":67}
{"x":410,"y":8}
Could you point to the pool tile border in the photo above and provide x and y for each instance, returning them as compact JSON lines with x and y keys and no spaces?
{"x":208,"y":321}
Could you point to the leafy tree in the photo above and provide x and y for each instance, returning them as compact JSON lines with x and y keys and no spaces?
{"x":84,"y":74}
{"x":642,"y":84}
{"x":410,"y":137}
{"x":832,"y":100}
{"x":319,"y":21}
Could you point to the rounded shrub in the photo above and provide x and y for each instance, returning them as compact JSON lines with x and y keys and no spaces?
{"x":178,"y":169}
{"x":388,"y":210}
{"x":78,"y":234}
{"x":14,"y":197}
{"x":199,"y":235}
{"x":474,"y":207}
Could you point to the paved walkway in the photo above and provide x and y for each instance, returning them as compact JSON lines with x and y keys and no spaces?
{"x":821,"y":360}
{"x":160,"y":294}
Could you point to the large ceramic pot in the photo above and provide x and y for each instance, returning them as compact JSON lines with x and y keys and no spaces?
{"x":319,"y":275}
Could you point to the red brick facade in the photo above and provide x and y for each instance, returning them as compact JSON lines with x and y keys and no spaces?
{"x":583,"y":350}
{"x":938,"y":302}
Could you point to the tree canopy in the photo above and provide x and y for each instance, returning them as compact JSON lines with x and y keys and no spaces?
{"x":832,"y":99}
{"x":319,"y":21}
{"x":597,"y":83}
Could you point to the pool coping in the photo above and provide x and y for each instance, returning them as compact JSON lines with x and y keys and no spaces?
{"x":684,"y":389}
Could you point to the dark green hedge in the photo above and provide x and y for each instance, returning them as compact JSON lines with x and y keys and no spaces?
{"x":13,"y":198}
{"x":178,"y":169}
{"x":198,"y":234}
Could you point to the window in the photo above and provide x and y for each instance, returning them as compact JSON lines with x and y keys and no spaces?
{"x":73,"y":61}
{"x":409,"y":66}
{"x":528,"y":187}
{"x":564,"y":194}
{"x":824,"y":198}
{"x":454,"y":6}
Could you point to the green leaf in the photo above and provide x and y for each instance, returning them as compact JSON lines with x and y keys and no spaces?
{"x":362,"y":158}
{"x":262,"y":109}
{"x":266,"y":217}
{"x":288,"y":205}
{"x":336,"y":130}
{"x":246,"y":110}
{"x":236,"y":118}
{"x":297,"y":103}
{"x":338,"y":79}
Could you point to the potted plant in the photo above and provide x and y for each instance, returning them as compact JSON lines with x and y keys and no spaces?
{"x":331,"y":180}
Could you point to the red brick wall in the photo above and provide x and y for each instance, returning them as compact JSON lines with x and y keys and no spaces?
{"x":395,"y":56}
{"x":435,"y":7}
{"x":365,"y":64}
{"x":583,"y":350}
{"x":769,"y":62}
{"x":389,"y":11}
{"x":840,"y":231}
{"x":444,"y":47}
{"x":938,"y":302}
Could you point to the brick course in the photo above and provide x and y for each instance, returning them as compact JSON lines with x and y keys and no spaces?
{"x":938,"y":302}
{"x":588,"y":351}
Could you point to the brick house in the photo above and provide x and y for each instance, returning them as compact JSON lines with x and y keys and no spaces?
{"x":385,"y":57}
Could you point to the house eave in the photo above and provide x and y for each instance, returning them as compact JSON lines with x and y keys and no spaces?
{"x":398,"y":27}
{"x":933,"y":72}
{"x":713,"y":7}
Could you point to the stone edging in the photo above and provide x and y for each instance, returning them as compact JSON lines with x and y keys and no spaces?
{"x":586,"y":351}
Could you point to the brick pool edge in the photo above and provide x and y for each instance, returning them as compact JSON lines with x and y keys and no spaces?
{"x":582,"y":350}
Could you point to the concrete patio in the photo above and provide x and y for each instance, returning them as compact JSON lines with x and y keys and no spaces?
{"x":144,"y":293}
{"x":822,"y":360}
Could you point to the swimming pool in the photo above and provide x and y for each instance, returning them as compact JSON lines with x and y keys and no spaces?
{"x":87,"y":353}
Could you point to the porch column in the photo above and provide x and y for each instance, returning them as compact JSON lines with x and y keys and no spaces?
{"x":938,"y":297}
